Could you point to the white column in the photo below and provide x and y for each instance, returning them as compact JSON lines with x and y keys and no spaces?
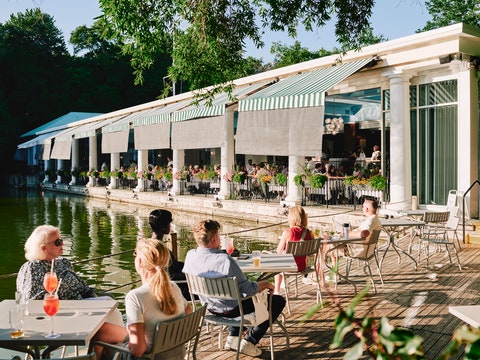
{"x":227,"y":154}
{"x":114,"y":164}
{"x":75,"y":160}
{"x":400,"y":144}
{"x":142,"y":163}
{"x":178,"y":163}
{"x":46,"y":166}
{"x":92,"y":157}
{"x":60,"y":164}
{"x":294,"y":196}
{"x":467,"y":137}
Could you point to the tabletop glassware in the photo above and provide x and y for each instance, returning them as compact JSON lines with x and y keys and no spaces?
{"x":51,"y":305}
{"x":50,"y":282}
{"x":15,"y":317}
{"x":256,"y":256}
{"x":230,"y":247}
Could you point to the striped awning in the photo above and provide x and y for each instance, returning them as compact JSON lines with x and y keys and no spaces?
{"x":39,"y":140}
{"x":302,"y":90}
{"x":124,"y":123}
{"x":89,"y":130}
{"x":160,"y":114}
{"x":218,"y":104}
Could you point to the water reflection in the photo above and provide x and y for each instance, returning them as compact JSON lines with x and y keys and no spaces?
{"x":93,"y":230}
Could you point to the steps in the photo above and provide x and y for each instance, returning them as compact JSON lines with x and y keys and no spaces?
{"x":474,"y":236}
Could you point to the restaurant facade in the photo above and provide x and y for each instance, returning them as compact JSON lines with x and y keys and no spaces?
{"x":415,"y":97}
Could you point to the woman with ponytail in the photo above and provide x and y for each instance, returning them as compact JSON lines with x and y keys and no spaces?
{"x":158,"y":299}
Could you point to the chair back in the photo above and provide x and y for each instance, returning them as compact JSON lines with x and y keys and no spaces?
{"x":452,"y":223}
{"x":303,"y":247}
{"x":225,"y":288}
{"x":372,"y":243}
{"x":90,"y":356}
{"x":436,"y":217}
{"x":173,"y":333}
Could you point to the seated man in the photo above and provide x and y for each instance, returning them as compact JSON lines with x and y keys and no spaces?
{"x":209,"y":261}
{"x":366,"y":227}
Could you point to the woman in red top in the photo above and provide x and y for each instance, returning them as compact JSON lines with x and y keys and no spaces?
{"x":297,"y":220}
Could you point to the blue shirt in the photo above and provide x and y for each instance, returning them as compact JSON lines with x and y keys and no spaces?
{"x":215,"y":263}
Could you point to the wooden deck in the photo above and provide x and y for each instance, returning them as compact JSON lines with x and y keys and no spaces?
{"x":415,"y":299}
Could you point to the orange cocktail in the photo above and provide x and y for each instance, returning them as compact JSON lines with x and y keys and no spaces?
{"x":50,"y":282}
{"x":51,"y":304}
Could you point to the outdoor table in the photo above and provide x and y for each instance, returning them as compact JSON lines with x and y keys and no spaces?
{"x":270,"y":264}
{"x":392,"y":227}
{"x":338,"y":244}
{"x":468,"y":313}
{"x":77,"y":321}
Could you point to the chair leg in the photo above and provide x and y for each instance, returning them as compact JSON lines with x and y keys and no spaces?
{"x":378,"y":267}
{"x":367,"y":265}
{"x":456,"y":255}
{"x":285,"y":279}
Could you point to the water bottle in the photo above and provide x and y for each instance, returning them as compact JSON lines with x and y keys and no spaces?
{"x":345,"y":230}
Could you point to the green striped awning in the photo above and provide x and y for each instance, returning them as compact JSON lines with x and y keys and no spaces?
{"x":89,"y":130}
{"x":123,"y":123}
{"x":302,"y":90}
{"x":160,"y":114}
{"x":217,"y":107}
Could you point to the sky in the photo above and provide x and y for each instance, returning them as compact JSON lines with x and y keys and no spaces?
{"x":391,"y":18}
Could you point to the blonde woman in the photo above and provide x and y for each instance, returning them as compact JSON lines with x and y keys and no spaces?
{"x":298,"y":221}
{"x":158,"y":299}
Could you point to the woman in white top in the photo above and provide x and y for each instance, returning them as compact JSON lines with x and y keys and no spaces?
{"x":158,"y":299}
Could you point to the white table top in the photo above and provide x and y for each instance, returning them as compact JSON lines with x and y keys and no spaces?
{"x":269,"y":263}
{"x":77,"y":321}
{"x":468,"y":313}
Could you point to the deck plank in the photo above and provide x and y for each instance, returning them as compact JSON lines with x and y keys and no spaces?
{"x":412,"y":299}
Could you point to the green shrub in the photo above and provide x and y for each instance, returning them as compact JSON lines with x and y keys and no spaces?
{"x":317,"y":180}
{"x":281,"y":179}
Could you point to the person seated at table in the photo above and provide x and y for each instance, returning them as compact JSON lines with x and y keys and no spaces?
{"x":207,"y":258}
{"x":157,"y":299}
{"x":298,"y":221}
{"x":45,"y":246}
{"x":160,"y":221}
{"x":364,"y":230}
{"x":376,"y":154}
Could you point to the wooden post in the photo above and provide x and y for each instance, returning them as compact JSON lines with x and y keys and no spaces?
{"x":173,"y":244}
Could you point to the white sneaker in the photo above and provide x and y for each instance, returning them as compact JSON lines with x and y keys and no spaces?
{"x":249,"y":349}
{"x":231,"y":343}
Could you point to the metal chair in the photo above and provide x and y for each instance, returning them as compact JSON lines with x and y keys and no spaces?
{"x":226,"y":288}
{"x":90,"y":356}
{"x":169,"y":335}
{"x":431,"y":219}
{"x":303,"y":248}
{"x":369,"y":252}
{"x":437,"y":234}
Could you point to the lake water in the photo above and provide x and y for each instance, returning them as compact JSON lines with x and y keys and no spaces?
{"x":102,"y":235}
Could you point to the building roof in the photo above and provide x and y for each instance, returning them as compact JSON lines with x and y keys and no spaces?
{"x":60,"y":123}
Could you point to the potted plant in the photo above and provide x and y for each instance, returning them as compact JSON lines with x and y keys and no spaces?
{"x":168,"y":176}
{"x":299,"y":180}
{"x":377,"y":182}
{"x":317,"y":180}
{"x":281,"y":179}
{"x":238,"y":178}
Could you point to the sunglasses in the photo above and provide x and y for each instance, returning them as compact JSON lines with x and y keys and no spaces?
{"x":58,"y":242}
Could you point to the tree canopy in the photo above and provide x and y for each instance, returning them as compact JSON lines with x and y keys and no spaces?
{"x":445,"y":13}
{"x":207,"y":37}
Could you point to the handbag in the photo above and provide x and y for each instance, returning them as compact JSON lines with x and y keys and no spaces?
{"x":261,"y":308}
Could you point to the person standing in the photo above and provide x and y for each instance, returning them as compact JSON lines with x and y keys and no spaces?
{"x":207,"y":259}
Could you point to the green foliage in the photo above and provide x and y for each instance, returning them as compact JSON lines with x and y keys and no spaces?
{"x":238,"y":178}
{"x":446,"y":13}
{"x":288,"y":55}
{"x":317,"y":180}
{"x":207,"y":40}
{"x":377,"y":182}
{"x":281,"y":179}
{"x":299,"y":180}
{"x":168,"y":176}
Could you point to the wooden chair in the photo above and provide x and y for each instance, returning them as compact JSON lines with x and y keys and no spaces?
{"x":304,"y":248}
{"x":169,"y":335}
{"x":370,"y":252}
{"x":226,"y":288}
{"x":437,"y":234}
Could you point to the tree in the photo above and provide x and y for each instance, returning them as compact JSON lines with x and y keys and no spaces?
{"x":294,"y":54}
{"x":207,"y":37}
{"x":446,"y":13}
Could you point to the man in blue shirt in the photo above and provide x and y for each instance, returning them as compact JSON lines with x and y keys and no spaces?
{"x":207,"y":260}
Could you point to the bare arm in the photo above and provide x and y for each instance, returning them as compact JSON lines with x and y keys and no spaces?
{"x":283,"y":242}
{"x":137,"y":344}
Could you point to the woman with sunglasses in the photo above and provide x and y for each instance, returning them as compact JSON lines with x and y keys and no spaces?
{"x":42,"y":247}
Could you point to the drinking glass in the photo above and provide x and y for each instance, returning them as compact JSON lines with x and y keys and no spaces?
{"x":15,"y":317}
{"x":50,"y":282}
{"x":230,"y":247}
{"x":256,"y":255}
{"x":51,"y":305}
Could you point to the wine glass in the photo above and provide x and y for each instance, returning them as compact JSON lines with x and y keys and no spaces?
{"x":51,"y":305}
{"x":50,"y":282}
{"x":230,"y":247}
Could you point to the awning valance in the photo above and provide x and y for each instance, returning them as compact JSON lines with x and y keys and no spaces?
{"x":156,"y":136}
{"x":198,"y":133}
{"x":160,"y":114}
{"x":302,"y":90}
{"x":116,"y":142}
{"x":62,"y":149}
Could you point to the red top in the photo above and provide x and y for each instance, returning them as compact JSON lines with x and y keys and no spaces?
{"x":296,"y":235}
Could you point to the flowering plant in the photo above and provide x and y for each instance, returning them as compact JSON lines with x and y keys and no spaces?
{"x":266,"y":179}
{"x":228,"y":176}
{"x":180,"y":175}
